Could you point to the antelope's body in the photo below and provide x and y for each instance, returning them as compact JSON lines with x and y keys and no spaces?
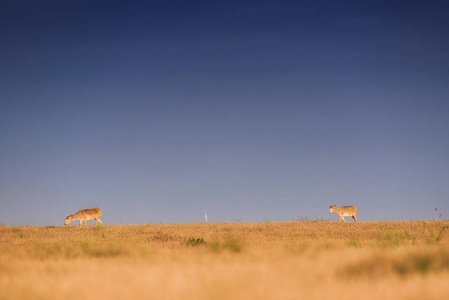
{"x":344,"y":211}
{"x":84,"y":215}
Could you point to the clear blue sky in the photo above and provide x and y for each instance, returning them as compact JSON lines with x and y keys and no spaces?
{"x":250,"y":110}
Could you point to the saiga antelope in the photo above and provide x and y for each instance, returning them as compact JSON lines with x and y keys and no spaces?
{"x":84,"y":215}
{"x":344,"y":211}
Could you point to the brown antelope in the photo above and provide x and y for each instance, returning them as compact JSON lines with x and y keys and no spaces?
{"x":344,"y":211}
{"x":84,"y":215}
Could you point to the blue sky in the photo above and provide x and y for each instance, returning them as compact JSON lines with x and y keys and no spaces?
{"x":250,"y":110}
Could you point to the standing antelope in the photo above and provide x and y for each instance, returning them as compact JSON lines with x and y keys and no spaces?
{"x":84,"y":215}
{"x":344,"y":211}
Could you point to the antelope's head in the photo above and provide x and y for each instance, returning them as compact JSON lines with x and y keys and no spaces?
{"x":332,"y":208}
{"x":68,"y":219}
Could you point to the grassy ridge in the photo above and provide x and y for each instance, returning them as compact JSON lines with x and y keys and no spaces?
{"x":238,"y":260}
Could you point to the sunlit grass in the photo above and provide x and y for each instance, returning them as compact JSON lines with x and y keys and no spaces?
{"x":305,"y":259}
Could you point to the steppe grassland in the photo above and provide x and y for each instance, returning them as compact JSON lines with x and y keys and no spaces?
{"x":268,"y":260}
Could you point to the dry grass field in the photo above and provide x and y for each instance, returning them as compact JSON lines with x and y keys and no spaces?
{"x":238,"y":260}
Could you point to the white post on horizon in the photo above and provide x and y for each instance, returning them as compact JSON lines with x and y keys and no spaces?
{"x":205,"y":215}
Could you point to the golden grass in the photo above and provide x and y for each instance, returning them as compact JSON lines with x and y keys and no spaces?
{"x":267,"y":260}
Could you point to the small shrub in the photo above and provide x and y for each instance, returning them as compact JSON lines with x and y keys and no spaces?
{"x":422,"y":263}
{"x":193,"y":241}
{"x":412,"y":263}
{"x":230,"y":243}
{"x":353,"y":242}
{"x":397,"y":237}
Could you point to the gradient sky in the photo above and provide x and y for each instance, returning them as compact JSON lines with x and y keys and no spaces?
{"x":157,"y":111}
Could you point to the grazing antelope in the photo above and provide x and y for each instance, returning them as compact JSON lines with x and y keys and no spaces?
{"x":344,"y":211}
{"x":84,"y":215}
